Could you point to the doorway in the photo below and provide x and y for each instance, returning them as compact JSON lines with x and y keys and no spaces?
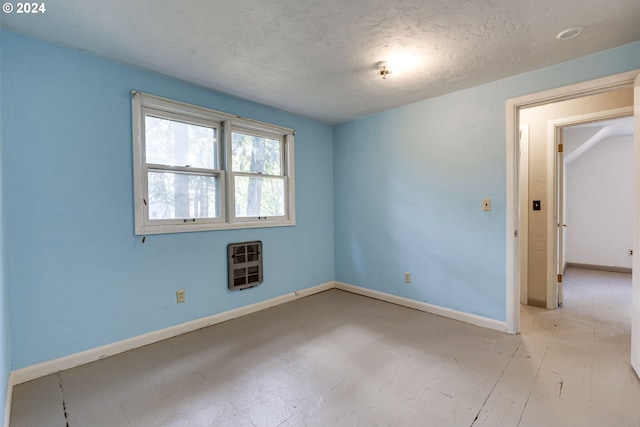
{"x":515,"y":214}
{"x":541,"y":177}
{"x":596,"y":195}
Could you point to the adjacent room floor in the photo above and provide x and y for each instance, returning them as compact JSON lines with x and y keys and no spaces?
{"x":338,"y":359}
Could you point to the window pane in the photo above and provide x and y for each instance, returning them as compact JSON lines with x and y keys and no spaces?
{"x":173,"y":143}
{"x":255,"y":154}
{"x":176,"y":195}
{"x":259,"y":196}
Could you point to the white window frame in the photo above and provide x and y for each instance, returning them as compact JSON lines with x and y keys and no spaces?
{"x":143,"y":103}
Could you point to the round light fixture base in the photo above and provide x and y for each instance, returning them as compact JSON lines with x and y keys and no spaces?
{"x":569,"y":33}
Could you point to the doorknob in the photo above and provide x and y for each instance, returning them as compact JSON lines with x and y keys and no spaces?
{"x":564,"y":225}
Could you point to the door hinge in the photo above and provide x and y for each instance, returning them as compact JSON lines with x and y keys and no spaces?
{"x":559,"y":278}
{"x":560,"y":148}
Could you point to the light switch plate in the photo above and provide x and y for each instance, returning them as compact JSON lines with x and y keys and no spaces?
{"x":486,"y":204}
{"x":180,"y":296}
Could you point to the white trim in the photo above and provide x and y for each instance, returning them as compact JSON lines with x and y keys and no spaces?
{"x":552,"y":216}
{"x":610,"y":268}
{"x":485,"y":322}
{"x":290,"y":171}
{"x":513,"y":106}
{"x":212,"y":226}
{"x":178,"y":107}
{"x":66,"y":362}
{"x":635,"y":277}
{"x":139,"y":183}
{"x":512,"y":290}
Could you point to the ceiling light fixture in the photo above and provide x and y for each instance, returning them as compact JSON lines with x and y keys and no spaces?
{"x":569,"y":33}
{"x":383,"y":69}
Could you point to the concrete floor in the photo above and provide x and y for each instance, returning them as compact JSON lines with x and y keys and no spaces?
{"x":338,"y":359}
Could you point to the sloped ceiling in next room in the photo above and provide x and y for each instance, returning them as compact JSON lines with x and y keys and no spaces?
{"x":579,"y":139}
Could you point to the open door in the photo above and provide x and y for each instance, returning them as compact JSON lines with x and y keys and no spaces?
{"x":560,"y":211}
{"x":635,"y":309}
{"x":523,"y":213}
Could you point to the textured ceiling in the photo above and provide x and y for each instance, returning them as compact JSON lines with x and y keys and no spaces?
{"x":317,"y":58}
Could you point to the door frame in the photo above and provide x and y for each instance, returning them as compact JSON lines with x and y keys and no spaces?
{"x":635,"y":278}
{"x":555,"y":128}
{"x":513,"y":183}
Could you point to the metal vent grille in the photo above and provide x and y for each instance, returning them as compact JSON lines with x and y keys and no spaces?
{"x":245,"y":264}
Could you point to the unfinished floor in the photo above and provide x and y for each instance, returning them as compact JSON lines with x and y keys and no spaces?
{"x":338,"y":359}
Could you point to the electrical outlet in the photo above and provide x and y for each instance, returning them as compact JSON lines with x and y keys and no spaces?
{"x":180,"y":296}
{"x":407,"y":277}
{"x":630,"y":252}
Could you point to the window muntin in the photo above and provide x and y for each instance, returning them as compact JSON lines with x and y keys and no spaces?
{"x":197,"y":169}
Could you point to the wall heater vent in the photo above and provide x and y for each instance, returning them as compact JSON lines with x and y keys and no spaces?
{"x":245,"y":264}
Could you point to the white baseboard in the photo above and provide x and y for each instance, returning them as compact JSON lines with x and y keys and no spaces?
{"x":600,"y":267}
{"x":485,"y":322}
{"x":32,"y":372}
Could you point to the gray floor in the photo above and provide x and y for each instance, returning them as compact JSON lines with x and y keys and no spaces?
{"x":338,"y":359}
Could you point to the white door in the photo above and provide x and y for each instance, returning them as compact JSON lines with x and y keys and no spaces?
{"x":635,"y":310}
{"x":560,"y":210}
{"x":523,"y":218}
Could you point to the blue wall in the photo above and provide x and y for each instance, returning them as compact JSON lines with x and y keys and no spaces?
{"x":78,"y":277}
{"x":5,"y":349}
{"x":409,"y":184}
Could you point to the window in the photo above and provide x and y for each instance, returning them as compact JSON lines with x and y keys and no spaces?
{"x":258,"y":177}
{"x":197,"y":169}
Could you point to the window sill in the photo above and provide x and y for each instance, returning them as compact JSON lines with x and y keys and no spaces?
{"x":188,"y":228}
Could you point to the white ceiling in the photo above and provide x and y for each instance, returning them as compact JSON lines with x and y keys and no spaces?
{"x":317,"y":58}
